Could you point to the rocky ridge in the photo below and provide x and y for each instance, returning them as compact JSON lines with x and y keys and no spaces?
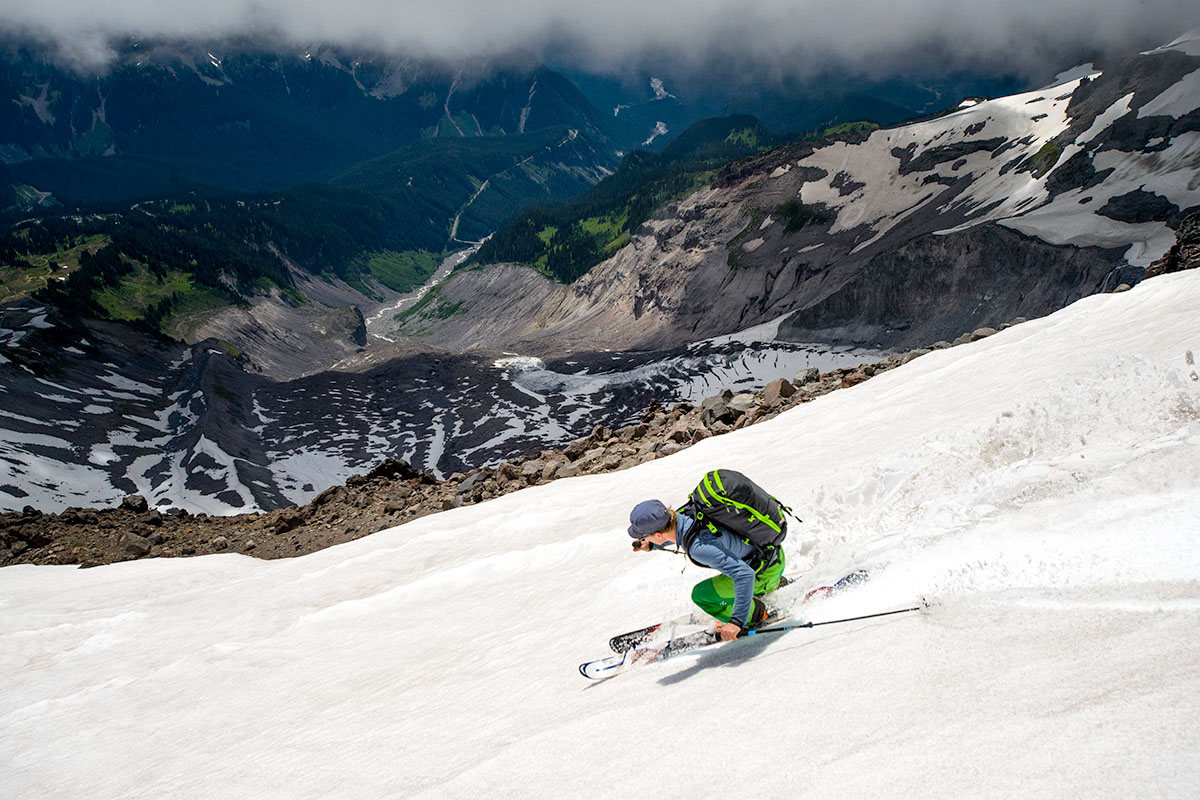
{"x":394,"y":492}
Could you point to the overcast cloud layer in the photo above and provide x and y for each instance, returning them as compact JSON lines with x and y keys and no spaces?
{"x":784,"y":37}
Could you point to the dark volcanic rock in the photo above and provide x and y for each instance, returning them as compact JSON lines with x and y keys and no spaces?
{"x":908,"y":297}
{"x":1184,"y":254}
{"x":1140,"y":206}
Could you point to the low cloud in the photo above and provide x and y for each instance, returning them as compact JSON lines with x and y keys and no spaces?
{"x":770,"y":36}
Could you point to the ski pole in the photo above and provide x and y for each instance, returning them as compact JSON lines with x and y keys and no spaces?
{"x":783,"y":628}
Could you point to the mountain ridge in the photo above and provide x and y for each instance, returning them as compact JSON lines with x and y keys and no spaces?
{"x":795,"y":228}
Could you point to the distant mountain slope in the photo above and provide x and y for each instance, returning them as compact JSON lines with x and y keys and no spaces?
{"x":1005,"y":208}
{"x":568,"y":239}
{"x":379,"y":228}
{"x":251,"y":119}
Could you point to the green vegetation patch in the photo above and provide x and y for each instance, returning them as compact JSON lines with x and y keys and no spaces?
{"x":746,"y":137}
{"x":26,"y":273}
{"x":1044,"y":159}
{"x":757,"y":215}
{"x":135,"y":293}
{"x":430,"y":307}
{"x":797,"y":215}
{"x":402,"y":271}
{"x":846,"y":127}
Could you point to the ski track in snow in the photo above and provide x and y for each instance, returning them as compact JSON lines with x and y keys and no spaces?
{"x":1040,"y":487}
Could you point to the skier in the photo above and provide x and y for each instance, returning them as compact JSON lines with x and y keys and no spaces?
{"x":746,"y":571}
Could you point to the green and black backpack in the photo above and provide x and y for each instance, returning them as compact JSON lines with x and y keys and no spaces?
{"x":732,"y":501}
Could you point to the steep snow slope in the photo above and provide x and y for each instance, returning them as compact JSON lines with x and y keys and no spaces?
{"x":1042,"y":484}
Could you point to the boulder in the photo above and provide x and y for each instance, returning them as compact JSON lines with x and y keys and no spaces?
{"x":575,"y":449}
{"x":135,"y":503}
{"x":810,"y":375}
{"x":915,"y":354}
{"x":741,"y":403}
{"x":289,"y":519}
{"x":717,"y":409}
{"x":134,"y":545}
{"x":680,"y":432}
{"x":777,"y":390}
{"x":982,"y":333}
{"x":473,"y":481}
{"x":328,"y":496}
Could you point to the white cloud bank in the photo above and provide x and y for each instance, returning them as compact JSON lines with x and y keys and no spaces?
{"x":782,"y":36}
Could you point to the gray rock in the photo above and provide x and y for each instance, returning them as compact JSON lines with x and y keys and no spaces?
{"x":982,"y":333}
{"x":777,"y":390}
{"x":289,"y":519}
{"x":575,"y":449}
{"x":964,"y":339}
{"x":134,"y":545}
{"x":810,"y":375}
{"x":135,"y":503}
{"x":472,"y":481}
{"x":717,"y":409}
{"x":742,"y":403}
{"x":915,"y":354}
{"x":219,"y":543}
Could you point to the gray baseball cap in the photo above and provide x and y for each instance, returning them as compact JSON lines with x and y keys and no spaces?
{"x":647,"y":517}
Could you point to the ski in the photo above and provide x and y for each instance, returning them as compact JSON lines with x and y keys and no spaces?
{"x":652,"y":652}
{"x":647,"y":653}
{"x":846,"y":582}
{"x":624,"y":642}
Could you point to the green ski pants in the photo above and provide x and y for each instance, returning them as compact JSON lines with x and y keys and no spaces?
{"x":715,"y":595}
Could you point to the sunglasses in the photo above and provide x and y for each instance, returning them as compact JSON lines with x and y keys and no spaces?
{"x":637,"y":544}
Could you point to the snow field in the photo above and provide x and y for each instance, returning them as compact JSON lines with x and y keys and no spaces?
{"x":1041,"y":486}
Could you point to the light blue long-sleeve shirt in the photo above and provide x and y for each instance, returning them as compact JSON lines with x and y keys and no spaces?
{"x":725,"y":552}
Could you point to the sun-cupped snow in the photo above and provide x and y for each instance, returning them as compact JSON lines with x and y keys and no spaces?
{"x":1040,"y":488}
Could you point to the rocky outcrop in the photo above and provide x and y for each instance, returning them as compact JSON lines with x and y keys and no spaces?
{"x":935,"y":286}
{"x":1184,"y":254}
